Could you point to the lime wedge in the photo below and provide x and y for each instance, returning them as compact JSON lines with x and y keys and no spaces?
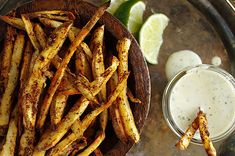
{"x":114,"y":5}
{"x":130,"y":13}
{"x":150,"y":37}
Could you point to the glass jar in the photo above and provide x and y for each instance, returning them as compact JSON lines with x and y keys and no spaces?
{"x":168,"y":92}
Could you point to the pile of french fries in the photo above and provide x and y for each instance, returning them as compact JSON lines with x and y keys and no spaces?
{"x":201,"y":123}
{"x":41,"y":72}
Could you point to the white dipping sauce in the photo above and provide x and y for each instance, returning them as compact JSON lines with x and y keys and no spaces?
{"x":209,"y":90}
{"x":180,"y":60}
{"x":216,"y":61}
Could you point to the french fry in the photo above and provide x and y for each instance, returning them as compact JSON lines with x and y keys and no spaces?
{"x":87,"y":51}
{"x":51,"y":138}
{"x":39,"y":153}
{"x":132,"y":98}
{"x":92,"y":147}
{"x":50,"y":23}
{"x":82,"y":65}
{"x":29,"y":29}
{"x":40,"y":35}
{"x":204,"y":133}
{"x":36,"y":80}
{"x":24,"y":74}
{"x":54,"y":14}
{"x":60,"y":72}
{"x":98,"y":58}
{"x":57,"y":108}
{"x":14,"y":22}
{"x":71,"y":91}
{"x":75,"y":147}
{"x":98,"y":68}
{"x":123,"y":103}
{"x":115,"y":114}
{"x":6,"y":57}
{"x":188,"y":135}
{"x":79,"y":127}
{"x":10,"y":143}
{"x":97,"y":152}
{"x":26,"y":143}
{"x":14,"y":73}
{"x":54,"y":24}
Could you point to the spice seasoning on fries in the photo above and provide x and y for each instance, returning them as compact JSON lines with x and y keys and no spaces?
{"x":200,"y":123}
{"x":47,"y":80}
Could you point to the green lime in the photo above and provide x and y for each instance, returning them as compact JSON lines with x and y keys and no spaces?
{"x":114,"y":5}
{"x":130,"y":13}
{"x":150,"y":37}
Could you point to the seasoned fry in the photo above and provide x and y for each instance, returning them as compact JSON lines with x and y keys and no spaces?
{"x":203,"y":129}
{"x":10,"y":143}
{"x":51,"y":138}
{"x":97,"y":152}
{"x":54,"y":24}
{"x":24,"y":74}
{"x":40,"y":35}
{"x":123,"y":103}
{"x":13,"y":21}
{"x":6,"y":58}
{"x":55,"y":15}
{"x":36,"y":80}
{"x":98,"y":68}
{"x":71,"y":91}
{"x":6,"y":100}
{"x":50,"y":23}
{"x":26,"y":143}
{"x":57,"y":108}
{"x":98,"y":58}
{"x":115,"y":114}
{"x":87,"y":51}
{"x":75,"y":147}
{"x":82,"y":65}
{"x":94,"y":145}
{"x":188,"y":135}
{"x":39,"y":153}
{"x":60,"y":72}
{"x":79,"y":127}
{"x":55,"y":12}
{"x":29,"y":29}
{"x":132,"y":98}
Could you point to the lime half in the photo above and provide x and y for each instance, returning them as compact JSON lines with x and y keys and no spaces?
{"x":150,"y":37}
{"x":130,"y":13}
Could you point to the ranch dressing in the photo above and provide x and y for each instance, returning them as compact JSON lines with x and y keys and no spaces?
{"x":207,"y":89}
{"x":180,"y":60}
